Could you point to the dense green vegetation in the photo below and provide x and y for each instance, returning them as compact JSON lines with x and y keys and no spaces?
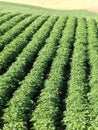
{"x":76,"y":102}
{"x":48,"y":72}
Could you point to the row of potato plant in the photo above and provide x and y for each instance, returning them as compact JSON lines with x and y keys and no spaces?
{"x":46,"y":113}
{"x":1,"y":14}
{"x":15,"y":31}
{"x":7,"y":17}
{"x":11,"y":23}
{"x":17,"y":70}
{"x":93,"y":80}
{"x":75,"y":115}
{"x":22,"y":101}
{"x":16,"y":46}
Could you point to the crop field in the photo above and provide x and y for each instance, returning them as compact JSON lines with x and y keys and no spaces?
{"x":58,"y":4}
{"x":9,"y":7}
{"x":48,"y":72}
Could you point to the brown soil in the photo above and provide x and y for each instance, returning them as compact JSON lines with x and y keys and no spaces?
{"x":90,"y":5}
{"x":93,"y":9}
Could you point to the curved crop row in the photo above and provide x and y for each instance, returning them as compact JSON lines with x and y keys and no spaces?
{"x":7,"y":17}
{"x":75,"y":115}
{"x":19,"y":43}
{"x":93,"y":59}
{"x":45,"y":114}
{"x":12,"y":22}
{"x":21,"y":101}
{"x":17,"y":70}
{"x":16,"y":30}
{"x":1,"y":14}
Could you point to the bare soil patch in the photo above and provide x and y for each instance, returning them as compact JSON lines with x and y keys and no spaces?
{"x":94,"y":9}
{"x":90,"y":5}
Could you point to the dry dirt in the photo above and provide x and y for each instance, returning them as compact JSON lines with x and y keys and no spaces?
{"x":91,"y":5}
{"x":94,"y":9}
